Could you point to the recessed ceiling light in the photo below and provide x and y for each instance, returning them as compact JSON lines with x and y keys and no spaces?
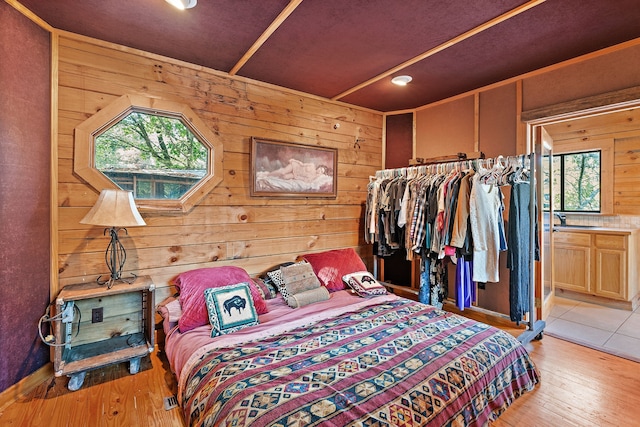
{"x":182,"y":4}
{"x":401,"y":80}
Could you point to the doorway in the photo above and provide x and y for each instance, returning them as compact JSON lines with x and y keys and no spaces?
{"x":588,"y":321}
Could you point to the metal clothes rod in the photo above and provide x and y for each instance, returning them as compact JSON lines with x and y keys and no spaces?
{"x":454,"y":158}
{"x":431,"y":165}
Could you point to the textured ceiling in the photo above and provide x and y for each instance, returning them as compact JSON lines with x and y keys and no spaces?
{"x":349,"y":49}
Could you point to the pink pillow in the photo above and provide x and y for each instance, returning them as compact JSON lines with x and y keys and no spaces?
{"x":330,"y":266}
{"x":170,"y":310}
{"x":193,"y":283}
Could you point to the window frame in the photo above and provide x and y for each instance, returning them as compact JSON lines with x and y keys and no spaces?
{"x":561,"y":158}
{"x":606,"y":148}
{"x":84,"y":148}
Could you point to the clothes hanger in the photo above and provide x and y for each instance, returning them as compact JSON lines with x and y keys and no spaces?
{"x":507,"y":173}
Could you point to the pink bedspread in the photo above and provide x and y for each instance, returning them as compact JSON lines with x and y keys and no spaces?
{"x":191,"y":345}
{"x":350,"y":361}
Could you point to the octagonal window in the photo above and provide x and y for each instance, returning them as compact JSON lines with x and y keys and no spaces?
{"x":156,"y":157}
{"x":159,"y":150}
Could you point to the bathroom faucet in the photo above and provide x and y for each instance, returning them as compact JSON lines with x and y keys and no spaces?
{"x":561,"y":217}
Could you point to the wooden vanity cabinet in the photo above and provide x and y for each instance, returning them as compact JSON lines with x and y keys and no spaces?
{"x":599,"y":262}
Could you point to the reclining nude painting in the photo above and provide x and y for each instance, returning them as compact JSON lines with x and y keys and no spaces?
{"x":292,"y":170}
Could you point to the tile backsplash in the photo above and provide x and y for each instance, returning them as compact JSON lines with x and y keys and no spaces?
{"x":614,"y":221}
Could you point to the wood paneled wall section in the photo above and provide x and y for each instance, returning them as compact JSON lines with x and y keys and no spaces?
{"x":228,"y":227}
{"x":446,"y":129}
{"x":451,"y":127}
{"x":624,"y":128}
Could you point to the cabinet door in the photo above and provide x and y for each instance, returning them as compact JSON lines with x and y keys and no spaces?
{"x":610,"y":273}
{"x":571,"y":267}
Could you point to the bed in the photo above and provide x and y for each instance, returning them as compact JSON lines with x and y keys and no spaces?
{"x":347,"y":361}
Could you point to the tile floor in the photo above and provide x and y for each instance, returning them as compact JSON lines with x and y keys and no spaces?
{"x":608,"y":329}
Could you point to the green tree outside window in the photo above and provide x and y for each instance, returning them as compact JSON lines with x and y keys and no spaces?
{"x":576,"y":182}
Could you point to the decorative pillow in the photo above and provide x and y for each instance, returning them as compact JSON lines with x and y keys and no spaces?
{"x":331,"y":266}
{"x":192,"y":284}
{"x":267,"y":289}
{"x":308,"y":297}
{"x":170,"y":309}
{"x":230,"y":308}
{"x":273,"y":289}
{"x":283,"y":291}
{"x":364,"y":284}
{"x":275,"y":275}
{"x":267,"y":280}
{"x":299,"y":278}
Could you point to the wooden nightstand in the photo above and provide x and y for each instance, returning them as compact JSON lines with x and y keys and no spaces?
{"x":100,"y":326}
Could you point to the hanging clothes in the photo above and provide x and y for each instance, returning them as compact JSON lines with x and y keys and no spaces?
{"x":438,"y":282}
{"x":485,"y":208}
{"x":441,"y":213}
{"x":447,"y":212}
{"x":519,"y":255}
{"x":461,"y":232}
{"x":465,"y":287}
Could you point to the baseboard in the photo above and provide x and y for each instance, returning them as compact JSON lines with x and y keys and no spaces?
{"x":25,"y":386}
{"x":483,"y":315}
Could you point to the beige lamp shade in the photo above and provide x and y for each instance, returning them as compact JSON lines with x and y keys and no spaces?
{"x":114,"y":208}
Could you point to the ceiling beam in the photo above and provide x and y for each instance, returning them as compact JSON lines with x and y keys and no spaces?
{"x":480,"y":28}
{"x":32,"y":16}
{"x":288,"y":10}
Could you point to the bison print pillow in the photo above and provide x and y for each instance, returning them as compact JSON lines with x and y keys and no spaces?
{"x":230,"y":308}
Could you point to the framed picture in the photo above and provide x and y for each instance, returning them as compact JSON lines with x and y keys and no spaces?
{"x":284,"y":169}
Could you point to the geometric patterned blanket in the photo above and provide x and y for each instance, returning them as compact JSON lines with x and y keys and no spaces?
{"x":400,"y":363}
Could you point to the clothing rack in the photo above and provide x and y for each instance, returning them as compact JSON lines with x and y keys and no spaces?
{"x":534,"y":327}
{"x":443,"y":159}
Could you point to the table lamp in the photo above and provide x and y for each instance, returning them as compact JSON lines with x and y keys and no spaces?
{"x":115,"y":210}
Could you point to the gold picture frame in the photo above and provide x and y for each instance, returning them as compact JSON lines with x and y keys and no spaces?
{"x":286,"y":169}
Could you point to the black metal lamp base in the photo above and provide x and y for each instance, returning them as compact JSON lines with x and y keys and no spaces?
{"x":115,"y":256}
{"x":111,"y":281}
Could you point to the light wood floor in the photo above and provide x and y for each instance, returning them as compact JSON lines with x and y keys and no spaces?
{"x":579,"y":387}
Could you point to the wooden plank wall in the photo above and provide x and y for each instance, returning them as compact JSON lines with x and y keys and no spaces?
{"x":228,"y":227}
{"x":624,"y":128}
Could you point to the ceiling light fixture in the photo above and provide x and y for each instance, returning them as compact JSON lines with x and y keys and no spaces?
{"x":401,"y":80}
{"x":182,"y":4}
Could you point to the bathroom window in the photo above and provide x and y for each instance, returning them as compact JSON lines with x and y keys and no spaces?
{"x":576,"y":182}
{"x":582,"y":177}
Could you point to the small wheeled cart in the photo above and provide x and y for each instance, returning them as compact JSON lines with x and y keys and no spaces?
{"x":98,"y":326}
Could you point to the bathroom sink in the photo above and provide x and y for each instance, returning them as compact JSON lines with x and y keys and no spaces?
{"x":576,"y":226}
